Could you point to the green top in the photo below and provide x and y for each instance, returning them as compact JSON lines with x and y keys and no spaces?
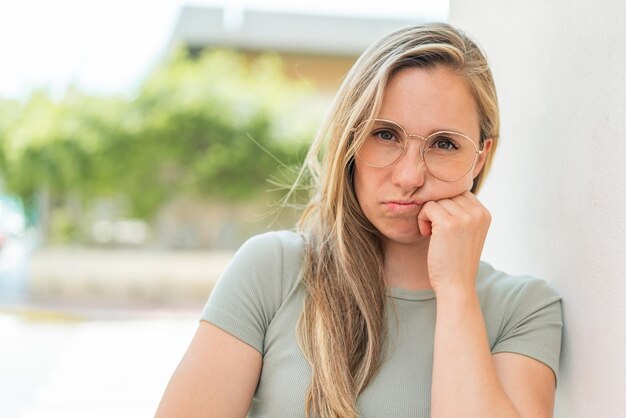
{"x":259,"y":298}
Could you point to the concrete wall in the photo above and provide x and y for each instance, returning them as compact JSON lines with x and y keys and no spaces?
{"x":557,"y":191}
{"x":108,"y":278}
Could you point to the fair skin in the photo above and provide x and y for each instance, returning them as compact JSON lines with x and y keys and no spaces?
{"x":434,"y":233}
{"x":434,"y":244}
{"x":212,"y":389}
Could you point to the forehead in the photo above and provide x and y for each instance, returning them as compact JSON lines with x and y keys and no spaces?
{"x":428,"y":100}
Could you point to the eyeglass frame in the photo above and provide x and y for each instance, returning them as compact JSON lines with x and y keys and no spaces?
{"x":423,"y":151}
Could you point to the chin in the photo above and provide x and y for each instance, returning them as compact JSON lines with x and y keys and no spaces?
{"x":402,"y":240}
{"x":406,"y":236}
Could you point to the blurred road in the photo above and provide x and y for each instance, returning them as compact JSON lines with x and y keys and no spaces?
{"x":62,"y":366}
{"x":106,"y":343}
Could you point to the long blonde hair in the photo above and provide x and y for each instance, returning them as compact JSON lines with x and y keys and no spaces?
{"x":341,"y":330}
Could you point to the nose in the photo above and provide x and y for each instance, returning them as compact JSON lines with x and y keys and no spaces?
{"x":410,"y":171}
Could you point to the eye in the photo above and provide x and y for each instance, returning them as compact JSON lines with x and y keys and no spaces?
{"x":385,"y":135}
{"x":444,"y":143}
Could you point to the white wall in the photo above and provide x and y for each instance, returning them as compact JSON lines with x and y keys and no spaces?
{"x":557,"y":192}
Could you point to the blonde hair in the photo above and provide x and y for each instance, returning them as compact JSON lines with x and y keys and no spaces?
{"x":341,"y":330}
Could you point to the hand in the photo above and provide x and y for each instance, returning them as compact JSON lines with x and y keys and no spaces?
{"x":457,"y":228}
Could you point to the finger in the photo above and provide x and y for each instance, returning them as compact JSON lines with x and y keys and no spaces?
{"x":473,"y":208}
{"x":471,"y":204}
{"x":424,"y":227}
{"x":451,"y":206}
{"x":468,"y":202}
{"x":431,"y":215}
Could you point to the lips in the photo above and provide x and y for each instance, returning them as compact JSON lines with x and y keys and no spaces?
{"x":403,"y":206}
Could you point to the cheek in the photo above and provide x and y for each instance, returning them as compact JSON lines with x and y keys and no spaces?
{"x":466,"y":183}
{"x":437,"y":189}
{"x":364,"y":188}
{"x":360,"y":186}
{"x":451,"y":189}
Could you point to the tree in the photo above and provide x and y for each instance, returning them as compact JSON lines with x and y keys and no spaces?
{"x":213,"y":127}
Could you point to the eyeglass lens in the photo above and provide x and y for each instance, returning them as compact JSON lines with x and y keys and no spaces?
{"x":447,"y":155}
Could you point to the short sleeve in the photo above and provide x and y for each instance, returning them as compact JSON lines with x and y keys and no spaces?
{"x":249,"y":291}
{"x":533,"y":325}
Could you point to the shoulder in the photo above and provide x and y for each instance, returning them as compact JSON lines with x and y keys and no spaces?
{"x":522,"y":314}
{"x":509,"y":299}
{"x":254,"y":285}
{"x":282,"y":249}
{"x":273,"y":243}
{"x":270,"y":261}
{"x":495,"y":286}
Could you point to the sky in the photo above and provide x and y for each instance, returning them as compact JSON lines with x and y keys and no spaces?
{"x":108,"y":47}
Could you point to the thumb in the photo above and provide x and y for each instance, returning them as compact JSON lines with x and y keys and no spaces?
{"x":424,"y":224}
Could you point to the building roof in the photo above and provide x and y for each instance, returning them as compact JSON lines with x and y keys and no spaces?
{"x":288,"y":32}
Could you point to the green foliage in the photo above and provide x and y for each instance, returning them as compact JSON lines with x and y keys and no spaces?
{"x":211,"y":127}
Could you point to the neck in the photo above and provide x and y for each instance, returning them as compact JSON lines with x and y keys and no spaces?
{"x":406,"y":265}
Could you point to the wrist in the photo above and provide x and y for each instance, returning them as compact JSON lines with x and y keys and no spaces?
{"x":456,"y":305}
{"x":458,"y":294}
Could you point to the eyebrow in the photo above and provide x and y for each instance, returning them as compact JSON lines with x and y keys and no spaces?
{"x":389,"y":122}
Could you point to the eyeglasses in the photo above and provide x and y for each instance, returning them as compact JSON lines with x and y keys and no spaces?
{"x":447,"y":155}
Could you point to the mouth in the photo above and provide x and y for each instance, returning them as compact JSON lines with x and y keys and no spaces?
{"x":403,"y":206}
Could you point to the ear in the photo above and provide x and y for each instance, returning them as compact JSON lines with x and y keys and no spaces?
{"x":480,"y":162}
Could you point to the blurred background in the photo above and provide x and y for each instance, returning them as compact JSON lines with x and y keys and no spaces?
{"x":141,"y":142}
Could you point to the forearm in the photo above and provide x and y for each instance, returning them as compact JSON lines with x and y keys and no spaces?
{"x":465,"y":383}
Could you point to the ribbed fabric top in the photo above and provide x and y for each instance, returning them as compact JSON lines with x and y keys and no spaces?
{"x":405,"y":294}
{"x":259,"y":299}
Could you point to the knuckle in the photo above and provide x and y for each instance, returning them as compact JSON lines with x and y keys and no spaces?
{"x":466,"y":219}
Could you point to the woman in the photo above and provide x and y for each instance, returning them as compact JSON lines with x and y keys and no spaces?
{"x":379,"y":305}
